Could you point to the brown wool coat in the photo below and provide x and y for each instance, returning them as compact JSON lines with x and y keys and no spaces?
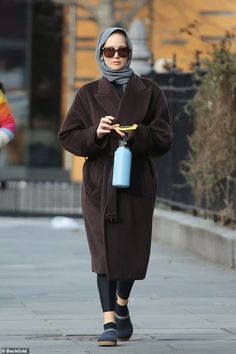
{"x":118,"y":221}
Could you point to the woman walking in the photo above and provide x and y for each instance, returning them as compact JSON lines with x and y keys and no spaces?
{"x":118,"y":221}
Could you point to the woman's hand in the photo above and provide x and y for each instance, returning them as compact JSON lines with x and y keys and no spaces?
{"x":129,"y":133}
{"x":105,"y":126}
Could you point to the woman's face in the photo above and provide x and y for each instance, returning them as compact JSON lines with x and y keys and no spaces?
{"x":116,"y":62}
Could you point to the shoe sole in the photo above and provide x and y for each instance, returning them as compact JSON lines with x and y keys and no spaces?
{"x":106,"y":344}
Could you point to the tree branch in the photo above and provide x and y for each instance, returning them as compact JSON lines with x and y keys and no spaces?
{"x":137,"y":6}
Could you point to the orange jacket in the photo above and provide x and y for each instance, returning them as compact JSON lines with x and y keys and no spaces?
{"x":7,"y":121}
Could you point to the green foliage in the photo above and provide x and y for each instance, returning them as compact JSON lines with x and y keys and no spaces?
{"x":211,"y":164}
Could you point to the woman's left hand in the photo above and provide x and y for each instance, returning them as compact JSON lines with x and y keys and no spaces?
{"x":129,"y":133}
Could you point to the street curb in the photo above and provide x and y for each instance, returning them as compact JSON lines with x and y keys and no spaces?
{"x":197,"y":235}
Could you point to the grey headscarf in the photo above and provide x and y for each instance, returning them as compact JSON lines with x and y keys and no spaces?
{"x":120,"y":76}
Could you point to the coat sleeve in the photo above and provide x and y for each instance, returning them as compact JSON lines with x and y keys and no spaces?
{"x":154,"y":136}
{"x":78,"y":134}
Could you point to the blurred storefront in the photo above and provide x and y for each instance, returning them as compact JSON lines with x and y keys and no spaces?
{"x":30,"y":69}
{"x":47,"y":53}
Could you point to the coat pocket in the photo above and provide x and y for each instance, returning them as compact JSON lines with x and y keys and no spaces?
{"x":93,"y":177}
{"x":143,"y":178}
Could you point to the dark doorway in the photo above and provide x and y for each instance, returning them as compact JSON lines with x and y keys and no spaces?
{"x":46,"y":74}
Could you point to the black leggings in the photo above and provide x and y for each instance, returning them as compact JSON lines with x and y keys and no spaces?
{"x":109,"y":288}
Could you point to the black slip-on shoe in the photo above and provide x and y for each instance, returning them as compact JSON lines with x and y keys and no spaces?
{"x":108,"y":338}
{"x":124,"y":327}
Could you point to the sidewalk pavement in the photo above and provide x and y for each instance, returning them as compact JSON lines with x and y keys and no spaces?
{"x":49,"y":301}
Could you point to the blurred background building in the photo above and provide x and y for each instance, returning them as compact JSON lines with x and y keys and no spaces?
{"x":47,"y":51}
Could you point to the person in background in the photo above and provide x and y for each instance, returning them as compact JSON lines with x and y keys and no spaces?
{"x":7,"y":124}
{"x":7,"y":121}
{"x":118,"y":221}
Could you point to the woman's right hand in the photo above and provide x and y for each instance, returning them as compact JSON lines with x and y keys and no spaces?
{"x":105,"y":126}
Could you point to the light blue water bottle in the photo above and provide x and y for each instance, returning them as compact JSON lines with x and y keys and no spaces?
{"x":122,"y":166}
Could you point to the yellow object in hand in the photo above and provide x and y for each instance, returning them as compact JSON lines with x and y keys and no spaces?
{"x":127,"y":128}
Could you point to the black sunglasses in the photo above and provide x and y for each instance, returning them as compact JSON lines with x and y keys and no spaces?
{"x":109,"y":52}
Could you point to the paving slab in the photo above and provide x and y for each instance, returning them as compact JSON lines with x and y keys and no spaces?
{"x":49,"y":301}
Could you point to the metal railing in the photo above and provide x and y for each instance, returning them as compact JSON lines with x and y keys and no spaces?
{"x":40,"y":198}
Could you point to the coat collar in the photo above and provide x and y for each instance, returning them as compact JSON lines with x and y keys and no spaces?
{"x":128,"y":109}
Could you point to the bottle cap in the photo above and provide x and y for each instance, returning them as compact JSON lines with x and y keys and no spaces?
{"x":122,"y":142}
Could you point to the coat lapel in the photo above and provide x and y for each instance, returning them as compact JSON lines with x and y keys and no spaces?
{"x":107,"y":97}
{"x":134,"y":102}
{"x":129,"y":109}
